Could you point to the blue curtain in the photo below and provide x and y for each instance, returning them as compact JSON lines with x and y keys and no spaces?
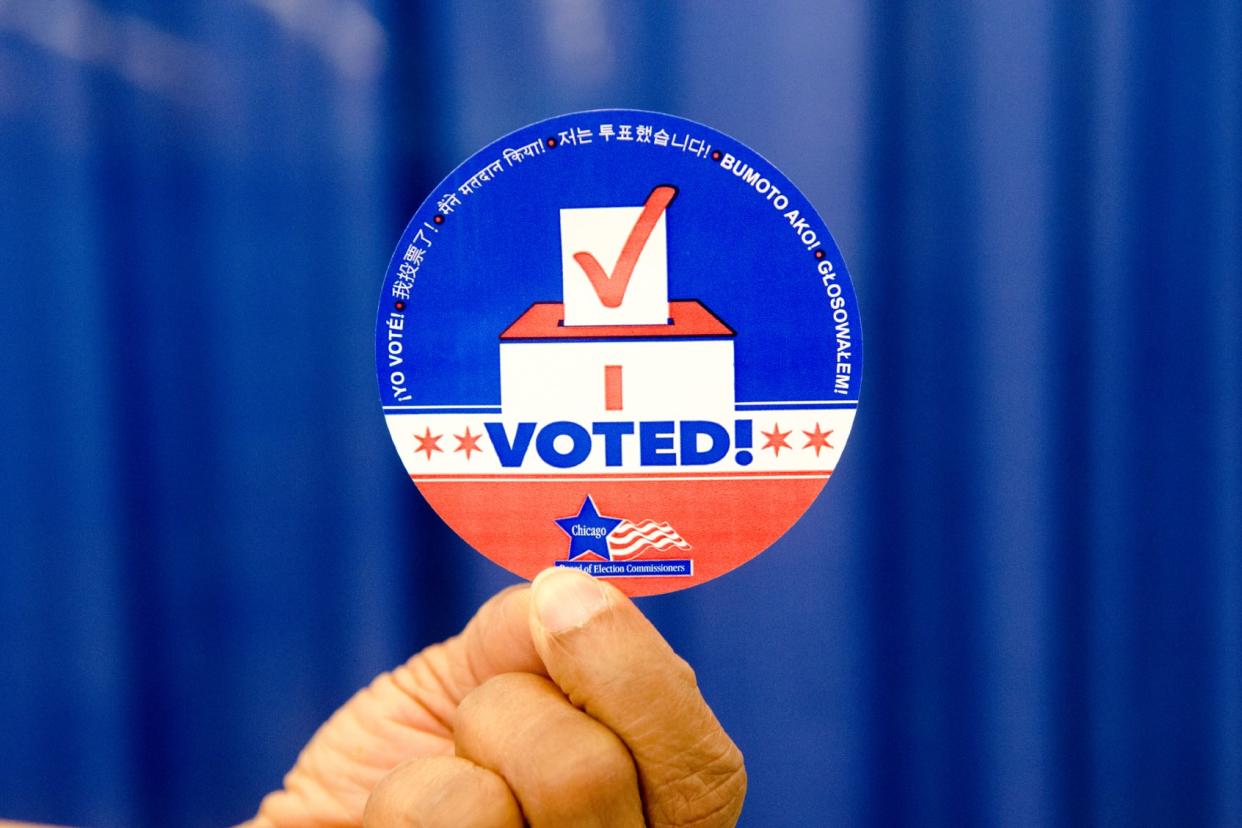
{"x":1018,"y":602}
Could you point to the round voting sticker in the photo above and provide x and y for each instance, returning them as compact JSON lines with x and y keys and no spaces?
{"x":619,"y":341}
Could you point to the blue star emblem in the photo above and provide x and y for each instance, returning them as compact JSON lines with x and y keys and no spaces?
{"x":588,"y":531}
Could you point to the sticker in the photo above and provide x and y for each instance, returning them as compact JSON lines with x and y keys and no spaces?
{"x":619,"y":341}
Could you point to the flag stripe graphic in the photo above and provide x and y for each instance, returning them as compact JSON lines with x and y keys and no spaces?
{"x":629,"y":538}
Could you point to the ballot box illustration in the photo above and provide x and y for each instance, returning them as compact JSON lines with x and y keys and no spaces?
{"x":612,"y":350}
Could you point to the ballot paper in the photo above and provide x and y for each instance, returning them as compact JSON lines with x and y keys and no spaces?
{"x":619,"y":341}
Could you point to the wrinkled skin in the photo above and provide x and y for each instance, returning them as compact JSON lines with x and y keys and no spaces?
{"x":559,"y":704}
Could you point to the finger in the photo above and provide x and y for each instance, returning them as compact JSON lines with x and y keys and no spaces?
{"x":564,"y":767}
{"x":497,"y":640}
{"x":402,"y":714}
{"x":611,"y":662}
{"x":442,"y":792}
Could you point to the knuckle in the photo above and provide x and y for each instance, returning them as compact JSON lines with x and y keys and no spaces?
{"x":594,"y":769}
{"x":600,"y":759}
{"x":436,"y":791}
{"x":385,"y":805}
{"x":507,"y":685}
{"x":497,"y":691}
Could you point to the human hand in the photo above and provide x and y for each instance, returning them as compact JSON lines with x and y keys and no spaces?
{"x":559,"y":704}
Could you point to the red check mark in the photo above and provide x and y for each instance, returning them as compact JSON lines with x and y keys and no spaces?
{"x":611,"y":289}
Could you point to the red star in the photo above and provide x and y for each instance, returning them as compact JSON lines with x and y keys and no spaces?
{"x":467,"y":442}
{"x":427,"y":443}
{"x":776,"y":439}
{"x":818,"y":439}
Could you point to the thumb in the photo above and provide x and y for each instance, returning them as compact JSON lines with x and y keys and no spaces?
{"x":611,"y":662}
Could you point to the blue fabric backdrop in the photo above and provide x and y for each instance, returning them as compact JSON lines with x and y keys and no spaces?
{"x":1018,"y":602}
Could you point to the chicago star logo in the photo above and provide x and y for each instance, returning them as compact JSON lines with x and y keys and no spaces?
{"x":614,"y":538}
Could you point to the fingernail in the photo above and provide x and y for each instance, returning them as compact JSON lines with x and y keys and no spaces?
{"x":566,"y":598}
